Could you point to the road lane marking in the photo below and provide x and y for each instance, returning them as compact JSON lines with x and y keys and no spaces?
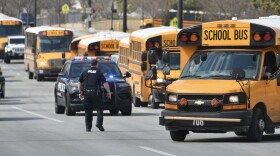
{"x":156,"y":151}
{"x":39,"y":115}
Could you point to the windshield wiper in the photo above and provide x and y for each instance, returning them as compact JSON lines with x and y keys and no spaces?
{"x":220,"y":76}
{"x":191,"y":76}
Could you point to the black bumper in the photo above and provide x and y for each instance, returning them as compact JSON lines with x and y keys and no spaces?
{"x":238,"y":121}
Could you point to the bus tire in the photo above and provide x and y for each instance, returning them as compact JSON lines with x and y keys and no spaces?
{"x":257,"y":126}
{"x":68,"y":111}
{"x":30,"y":75}
{"x":136,"y":101}
{"x":127,"y":111}
{"x":178,"y":135}
{"x":151,"y":101}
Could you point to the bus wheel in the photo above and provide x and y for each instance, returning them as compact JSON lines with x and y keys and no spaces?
{"x":136,"y":101}
{"x":257,"y":126}
{"x":30,"y":75}
{"x":68,"y":111}
{"x":151,"y":101}
{"x":178,"y":135}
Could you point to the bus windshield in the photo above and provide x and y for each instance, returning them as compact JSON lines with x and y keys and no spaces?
{"x":10,"y":30}
{"x":174,"y":61}
{"x":218,"y":64}
{"x":55,"y":44}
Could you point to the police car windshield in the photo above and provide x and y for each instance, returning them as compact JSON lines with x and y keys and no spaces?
{"x":108,"y":69}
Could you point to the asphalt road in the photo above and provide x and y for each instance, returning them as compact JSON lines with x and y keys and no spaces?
{"x":30,"y":127}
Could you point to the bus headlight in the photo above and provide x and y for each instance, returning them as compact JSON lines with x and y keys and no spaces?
{"x":160,"y":80}
{"x":234,"y":99}
{"x":172,"y":98}
{"x":42,"y":63}
{"x":122,"y":85}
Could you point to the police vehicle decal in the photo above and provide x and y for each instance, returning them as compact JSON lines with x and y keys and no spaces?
{"x":61,"y":87}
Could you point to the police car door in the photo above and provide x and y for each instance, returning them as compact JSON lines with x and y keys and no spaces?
{"x":62,"y":82}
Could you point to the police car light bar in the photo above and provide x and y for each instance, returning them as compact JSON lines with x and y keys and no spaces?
{"x":89,"y":58}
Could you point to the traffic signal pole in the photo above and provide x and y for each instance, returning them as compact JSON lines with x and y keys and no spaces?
{"x":180,"y":14}
{"x":35,"y":12}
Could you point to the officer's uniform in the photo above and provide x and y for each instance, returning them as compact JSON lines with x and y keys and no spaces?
{"x":91,"y":80}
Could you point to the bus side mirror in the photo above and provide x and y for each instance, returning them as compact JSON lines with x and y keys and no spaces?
{"x":238,"y":74}
{"x":165,"y":56}
{"x":151,"y":74}
{"x":166,"y":70}
{"x":144,"y":56}
{"x":152,"y":57}
{"x":144,"y":66}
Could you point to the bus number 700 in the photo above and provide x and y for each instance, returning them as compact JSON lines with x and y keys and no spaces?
{"x":198,"y":123}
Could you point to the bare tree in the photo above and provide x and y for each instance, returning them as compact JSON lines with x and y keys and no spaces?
{"x":3,"y":4}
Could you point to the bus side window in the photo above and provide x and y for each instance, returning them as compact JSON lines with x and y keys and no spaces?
{"x":269,"y":66}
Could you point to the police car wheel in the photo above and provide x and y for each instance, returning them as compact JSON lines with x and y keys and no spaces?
{"x":256,"y":129}
{"x":178,"y":135}
{"x":58,"y":109}
{"x":68,"y":111}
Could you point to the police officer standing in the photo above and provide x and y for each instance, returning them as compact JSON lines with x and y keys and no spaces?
{"x":91,"y":80}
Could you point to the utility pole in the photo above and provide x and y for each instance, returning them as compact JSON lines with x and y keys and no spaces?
{"x":112,"y":15}
{"x":124,"y":15}
{"x":180,"y":14}
{"x":89,"y":17}
{"x":35,"y":12}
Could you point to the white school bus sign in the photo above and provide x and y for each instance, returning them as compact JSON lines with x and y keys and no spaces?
{"x":226,"y":34}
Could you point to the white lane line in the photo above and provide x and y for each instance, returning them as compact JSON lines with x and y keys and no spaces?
{"x":156,"y":151}
{"x":42,"y":116}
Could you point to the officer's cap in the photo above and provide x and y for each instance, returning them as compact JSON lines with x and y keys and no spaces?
{"x":94,"y":62}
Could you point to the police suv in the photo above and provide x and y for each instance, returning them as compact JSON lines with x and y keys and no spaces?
{"x":66,"y":87}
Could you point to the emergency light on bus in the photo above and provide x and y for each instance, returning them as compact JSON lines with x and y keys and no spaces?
{"x":192,"y":37}
{"x":259,"y":36}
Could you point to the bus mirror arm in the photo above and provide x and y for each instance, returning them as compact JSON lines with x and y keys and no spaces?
{"x":240,"y":82}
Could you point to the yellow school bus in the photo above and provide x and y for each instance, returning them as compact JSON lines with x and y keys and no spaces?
{"x":161,"y":39}
{"x":231,"y":81}
{"x":9,"y":26}
{"x":123,"y":61}
{"x":46,"y":49}
{"x":103,"y":44}
{"x":75,"y":42}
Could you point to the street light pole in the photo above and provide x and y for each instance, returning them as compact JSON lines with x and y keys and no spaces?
{"x":112,"y":15}
{"x":180,"y":14}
